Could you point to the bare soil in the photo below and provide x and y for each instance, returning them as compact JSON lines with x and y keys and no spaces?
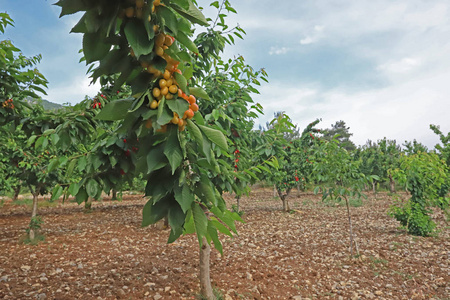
{"x":304,"y":254}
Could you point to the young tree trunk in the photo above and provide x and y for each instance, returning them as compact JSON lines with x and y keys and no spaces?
{"x":284,"y":199}
{"x":205,"y":278}
{"x":350,"y":227}
{"x":16,"y":193}
{"x":391,"y":184}
{"x":32,"y":233}
{"x":114,"y":195}
{"x":274,"y":190}
{"x":374,"y":187}
{"x":88,"y":204}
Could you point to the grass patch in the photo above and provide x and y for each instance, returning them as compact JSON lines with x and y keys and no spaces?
{"x":24,"y":201}
{"x":355,"y":202}
{"x":217,"y":293}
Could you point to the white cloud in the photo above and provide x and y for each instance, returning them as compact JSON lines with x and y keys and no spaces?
{"x":316,"y":34}
{"x":405,"y":65}
{"x":278,"y":50}
{"x":402,"y":112}
{"x":73,"y":93}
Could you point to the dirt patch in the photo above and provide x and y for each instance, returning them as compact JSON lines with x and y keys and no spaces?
{"x":106,"y":254}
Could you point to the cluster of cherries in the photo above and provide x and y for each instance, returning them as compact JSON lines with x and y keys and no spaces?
{"x":166,"y":85}
{"x":236,"y":160}
{"x":8,"y":104}
{"x":97,"y":103}
{"x":138,"y":9}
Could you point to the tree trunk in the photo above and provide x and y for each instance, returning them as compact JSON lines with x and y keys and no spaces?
{"x":274,"y":191}
{"x":374,"y":187}
{"x":284,"y":199}
{"x":391,"y":184}
{"x":114,"y":195}
{"x":16,"y":193}
{"x":88,"y":205}
{"x":32,"y":233}
{"x":205,"y":278}
{"x":350,"y":227}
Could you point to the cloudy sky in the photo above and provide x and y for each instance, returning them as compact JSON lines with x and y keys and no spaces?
{"x":381,"y":66}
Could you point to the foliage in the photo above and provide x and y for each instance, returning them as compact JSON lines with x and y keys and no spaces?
{"x":337,"y":173}
{"x":444,"y":153}
{"x":379,"y":159}
{"x":339,"y":177}
{"x":340,"y":132}
{"x":414,"y":147}
{"x":292,"y":155}
{"x":178,"y":161}
{"x":423,"y":174}
{"x":18,"y":78}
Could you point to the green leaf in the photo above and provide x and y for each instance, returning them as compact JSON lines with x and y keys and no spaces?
{"x":81,"y":196}
{"x":178,"y":105}
{"x":70,"y":168}
{"x":56,"y":192}
{"x":166,"y":115}
{"x":205,"y":192}
{"x":189,"y":227}
{"x":200,"y":222}
{"x":193,"y":14}
{"x":184,"y":197}
{"x":52,"y":165}
{"x":186,"y":41}
{"x":199,"y":93}
{"x":219,"y":226}
{"x":153,"y":212}
{"x":170,"y":19}
{"x":94,"y":47}
{"x":172,"y":149}
{"x":73,"y":189}
{"x":137,"y":37}
{"x":215,"y":136}
{"x":115,"y":110}
{"x":182,"y":83}
{"x":82,"y":162}
{"x":155,"y":159}
{"x":72,"y":6}
{"x":176,"y":219}
{"x":33,"y":138}
{"x":195,"y":131}
{"x":92,"y":188}
{"x":212,"y":231}
{"x":40,"y":142}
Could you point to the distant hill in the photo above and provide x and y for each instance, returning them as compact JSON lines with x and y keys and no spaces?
{"x":45,"y":103}
{"x":50,"y":105}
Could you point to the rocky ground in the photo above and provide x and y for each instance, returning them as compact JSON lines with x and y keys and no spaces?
{"x":304,"y":254}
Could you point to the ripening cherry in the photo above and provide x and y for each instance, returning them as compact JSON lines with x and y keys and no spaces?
{"x":159,"y":51}
{"x":160,"y":38}
{"x":129,"y":12}
{"x":140,"y":3}
{"x":191,"y":99}
{"x":188,"y":114}
{"x":154,"y":104}
{"x":166,"y":74}
{"x":194,"y":107}
{"x":156,"y":92}
{"x":173,"y":89}
{"x":162,"y":83}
